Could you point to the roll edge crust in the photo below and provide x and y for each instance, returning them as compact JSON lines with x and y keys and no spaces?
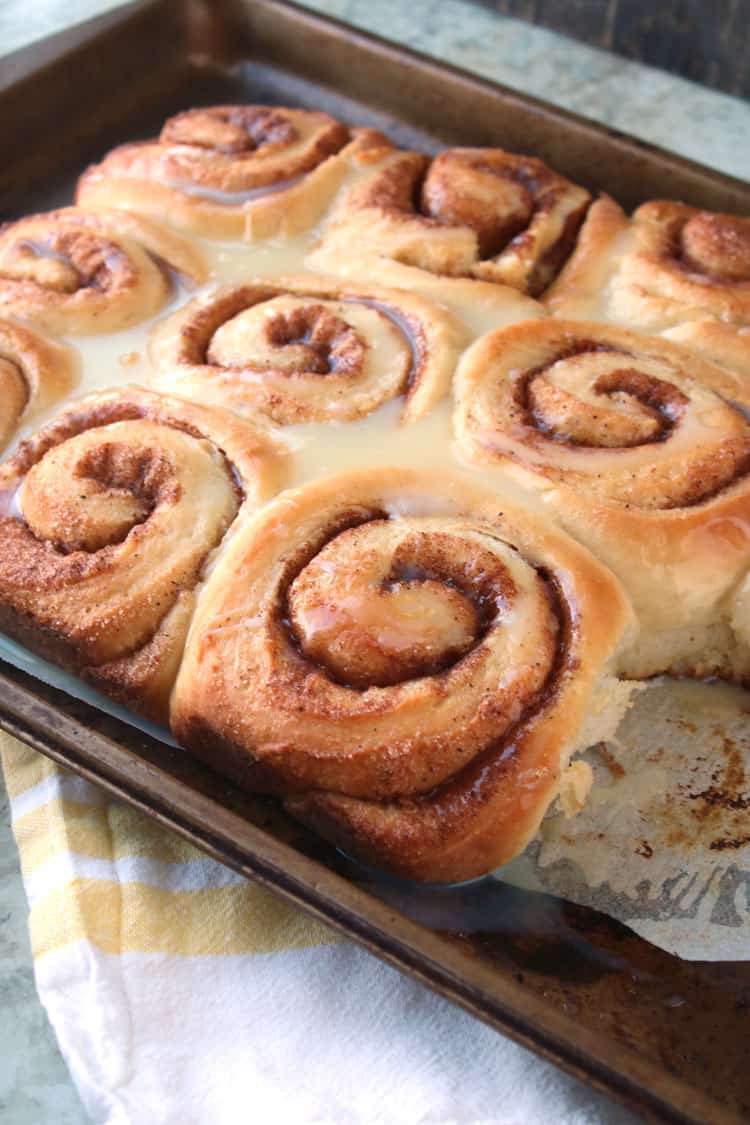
{"x":231,"y":171}
{"x":108,"y":518}
{"x":34,"y":373}
{"x":78,"y":272}
{"x":308,"y":349}
{"x":636,"y":448}
{"x":669,"y":269}
{"x":479,"y":213}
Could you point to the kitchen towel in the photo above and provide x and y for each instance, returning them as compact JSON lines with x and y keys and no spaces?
{"x":181,"y":994}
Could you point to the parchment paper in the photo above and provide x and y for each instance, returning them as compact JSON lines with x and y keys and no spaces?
{"x":663,"y":843}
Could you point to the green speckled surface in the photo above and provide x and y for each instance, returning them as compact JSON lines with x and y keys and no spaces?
{"x":706,"y":126}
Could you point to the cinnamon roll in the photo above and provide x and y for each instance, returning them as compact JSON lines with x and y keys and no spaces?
{"x":408,"y":663}
{"x":671,"y":269}
{"x":308,"y":349}
{"x":78,"y":273}
{"x":467,"y":213}
{"x":225,"y":170}
{"x":34,"y":373}
{"x":108,"y":518}
{"x":640,"y":450}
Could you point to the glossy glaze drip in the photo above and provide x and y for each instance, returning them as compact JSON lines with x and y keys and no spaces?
{"x":232,"y":198}
{"x":320,"y":449}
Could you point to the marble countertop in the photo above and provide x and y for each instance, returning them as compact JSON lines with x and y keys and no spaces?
{"x":707,"y":126}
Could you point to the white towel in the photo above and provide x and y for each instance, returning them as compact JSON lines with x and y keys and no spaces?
{"x":180,"y":994}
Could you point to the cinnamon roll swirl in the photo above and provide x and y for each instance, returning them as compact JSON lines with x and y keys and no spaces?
{"x":229,"y":169}
{"x":34,"y":373}
{"x":671,"y":269}
{"x":308,"y":349}
{"x":107,"y":519}
{"x":408,"y":663}
{"x":640,"y":451}
{"x":467,"y":213}
{"x":78,"y":273}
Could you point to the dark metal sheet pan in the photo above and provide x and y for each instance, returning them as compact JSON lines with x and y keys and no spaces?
{"x":573,"y":985}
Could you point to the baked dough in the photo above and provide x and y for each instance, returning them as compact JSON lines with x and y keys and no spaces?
{"x":109,"y":516}
{"x":230,"y":171}
{"x":408,"y":663}
{"x":671,"y":269}
{"x":637,"y":448}
{"x":308,"y":349}
{"x":79,"y":273}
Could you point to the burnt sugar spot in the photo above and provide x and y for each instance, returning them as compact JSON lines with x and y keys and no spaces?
{"x":718,"y":811}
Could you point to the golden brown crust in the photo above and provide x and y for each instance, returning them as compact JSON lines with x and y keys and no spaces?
{"x":727,"y":345}
{"x":34,"y":373}
{"x":305,"y":349}
{"x":481,"y":213}
{"x":407,"y":661}
{"x":108,"y":518}
{"x":637,"y":449}
{"x":581,"y":282}
{"x":671,"y":268}
{"x":77,"y":272}
{"x":224,"y":169}
{"x":300,"y":207}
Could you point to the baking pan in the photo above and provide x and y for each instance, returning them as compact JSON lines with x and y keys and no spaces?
{"x":667,"y":1037}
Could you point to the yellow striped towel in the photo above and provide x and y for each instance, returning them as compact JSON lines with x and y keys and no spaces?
{"x":180,"y":994}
